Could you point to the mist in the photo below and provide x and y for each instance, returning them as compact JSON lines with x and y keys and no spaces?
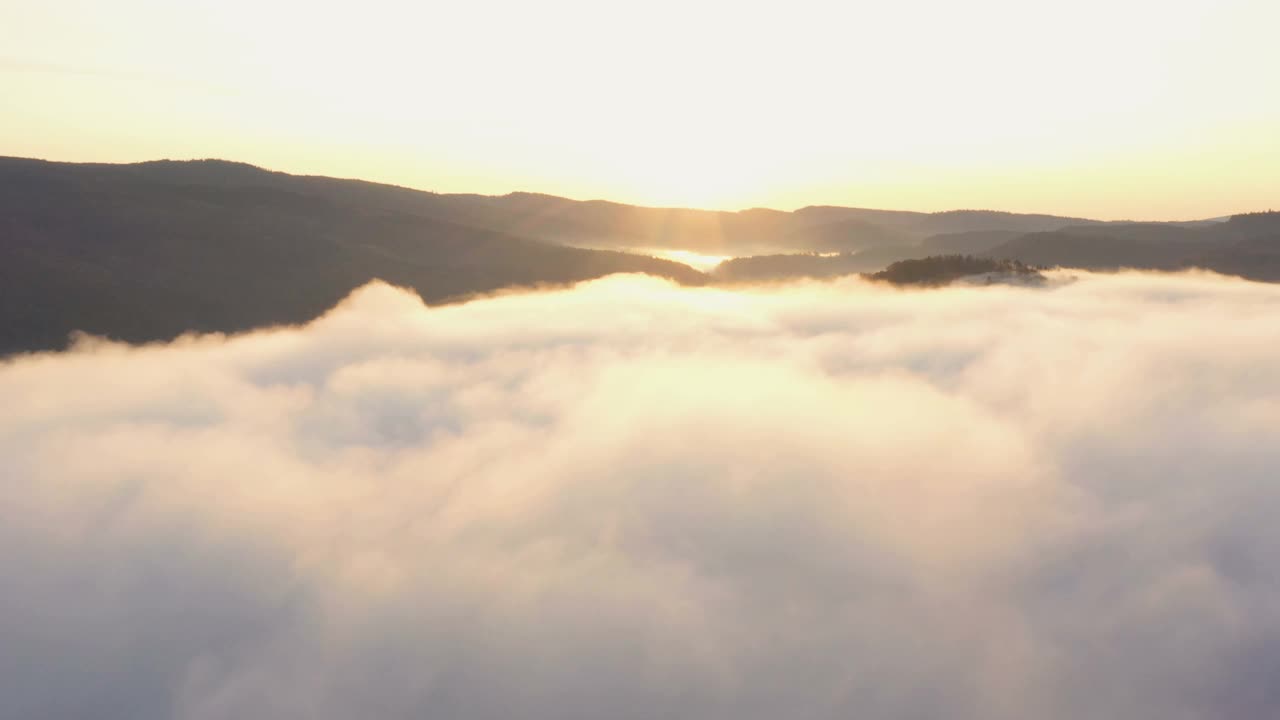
{"x":630,"y":499}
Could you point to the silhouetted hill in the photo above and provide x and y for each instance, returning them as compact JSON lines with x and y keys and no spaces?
{"x":966,"y":243}
{"x":603,"y":224}
{"x":846,"y":236}
{"x":822,"y":214}
{"x":146,"y":252}
{"x":945,"y":269}
{"x":827,"y":229}
{"x":921,"y":225}
{"x":598,"y":223}
{"x":1256,"y":256}
{"x":871,"y":259}
{"x":150,"y":250}
{"x":1234,"y":247}
{"x":1107,"y":247}
{"x":1250,"y":225}
{"x":958,"y":221}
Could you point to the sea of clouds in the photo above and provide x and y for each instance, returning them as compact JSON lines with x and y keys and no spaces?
{"x":633,"y":500}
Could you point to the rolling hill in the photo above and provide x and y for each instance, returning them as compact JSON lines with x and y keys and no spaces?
{"x":148,"y":251}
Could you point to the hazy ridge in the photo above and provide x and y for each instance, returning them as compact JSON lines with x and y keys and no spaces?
{"x":148,"y":251}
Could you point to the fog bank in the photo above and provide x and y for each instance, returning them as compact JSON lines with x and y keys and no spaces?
{"x":633,"y":500}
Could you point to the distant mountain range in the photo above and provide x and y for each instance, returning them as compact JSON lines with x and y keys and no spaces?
{"x":1244,"y":245}
{"x":151,"y":250}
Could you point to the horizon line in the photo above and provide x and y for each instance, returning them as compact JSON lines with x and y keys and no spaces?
{"x":625,"y":204}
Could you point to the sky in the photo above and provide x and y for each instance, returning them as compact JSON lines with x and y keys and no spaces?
{"x":979,"y":503}
{"x":1138,"y":109}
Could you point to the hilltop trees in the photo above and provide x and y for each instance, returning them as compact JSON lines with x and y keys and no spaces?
{"x":942,"y":269}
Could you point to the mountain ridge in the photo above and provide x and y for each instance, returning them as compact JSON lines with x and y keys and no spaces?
{"x":147,"y":251}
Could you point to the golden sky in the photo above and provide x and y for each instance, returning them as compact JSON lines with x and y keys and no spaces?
{"x":1145,"y":109}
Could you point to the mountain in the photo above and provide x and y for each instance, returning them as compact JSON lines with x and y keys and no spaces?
{"x":1240,"y":246}
{"x":1108,"y":247}
{"x":921,"y":225}
{"x":966,"y":243}
{"x":962,"y":221}
{"x":1256,"y":258}
{"x":1245,"y":245}
{"x":848,"y":235}
{"x":151,"y":250}
{"x":781,"y":266}
{"x":869,"y":252}
{"x":147,"y":252}
{"x":597,"y":222}
{"x":758,"y":231}
{"x":1251,"y":248}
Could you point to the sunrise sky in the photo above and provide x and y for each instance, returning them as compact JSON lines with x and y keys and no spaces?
{"x":1143,"y":109}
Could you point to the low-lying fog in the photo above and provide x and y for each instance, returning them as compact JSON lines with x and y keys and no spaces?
{"x":633,"y":500}
{"x":696,"y":260}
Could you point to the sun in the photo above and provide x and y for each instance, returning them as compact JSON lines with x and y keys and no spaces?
{"x":697,"y":261}
{"x":699,"y":171}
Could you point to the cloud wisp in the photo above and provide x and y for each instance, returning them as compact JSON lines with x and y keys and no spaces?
{"x":633,"y":500}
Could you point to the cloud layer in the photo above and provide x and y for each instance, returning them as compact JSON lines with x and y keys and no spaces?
{"x":631,"y":500}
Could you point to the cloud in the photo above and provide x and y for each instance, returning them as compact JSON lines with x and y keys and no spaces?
{"x":633,"y":500}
